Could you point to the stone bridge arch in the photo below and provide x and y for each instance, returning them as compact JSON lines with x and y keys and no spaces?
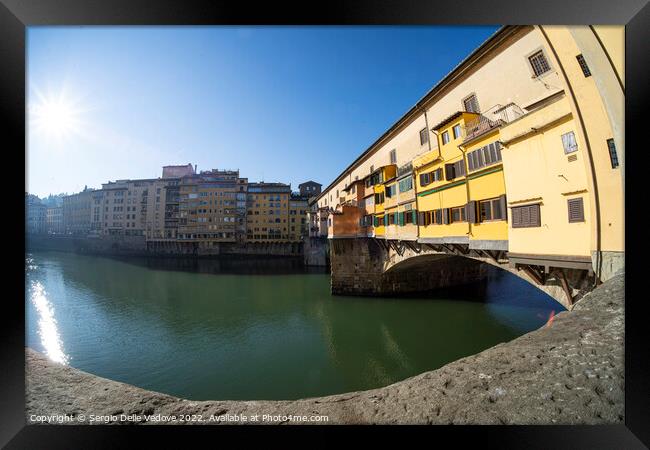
{"x":367,"y":266}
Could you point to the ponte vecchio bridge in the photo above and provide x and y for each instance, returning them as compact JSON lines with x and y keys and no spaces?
{"x":515,"y":159}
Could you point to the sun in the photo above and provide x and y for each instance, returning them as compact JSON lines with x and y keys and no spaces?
{"x":55,"y":117}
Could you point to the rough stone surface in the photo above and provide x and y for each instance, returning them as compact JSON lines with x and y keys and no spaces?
{"x":369,"y":266}
{"x":570,"y":371}
{"x":363,"y":266}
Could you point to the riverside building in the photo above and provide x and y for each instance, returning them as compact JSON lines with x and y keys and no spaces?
{"x":212,"y":207}
{"x":189,"y":212}
{"x":268,"y":212}
{"x":518,"y":150}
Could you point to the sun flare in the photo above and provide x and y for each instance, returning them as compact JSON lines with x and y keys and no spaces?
{"x":56,"y":117}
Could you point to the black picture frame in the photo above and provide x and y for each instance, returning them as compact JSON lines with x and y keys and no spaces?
{"x":16,"y":15}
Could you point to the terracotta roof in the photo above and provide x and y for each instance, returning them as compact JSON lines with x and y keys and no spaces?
{"x":451,"y":118}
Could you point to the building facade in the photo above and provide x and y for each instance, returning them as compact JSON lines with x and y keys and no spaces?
{"x":77,"y":212}
{"x":309,"y":189}
{"x":268,"y":212}
{"x":54,"y":220}
{"x":297,"y":223}
{"x":212,"y":207}
{"x":520,"y":148}
{"x":35,"y":215}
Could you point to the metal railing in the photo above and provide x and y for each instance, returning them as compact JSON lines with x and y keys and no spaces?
{"x":494,"y":117}
{"x":480,"y":125}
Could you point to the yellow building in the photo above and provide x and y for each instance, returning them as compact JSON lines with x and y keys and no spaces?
{"x":376,"y":180}
{"x":268,"y":212}
{"x":297,"y":224}
{"x":212,"y":207}
{"x":486,"y":189}
{"x":441,"y":185}
{"x":534,"y":116}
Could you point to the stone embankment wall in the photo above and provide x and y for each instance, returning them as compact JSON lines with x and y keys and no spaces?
{"x":316,"y":251}
{"x":109,"y":245}
{"x":138,"y":246}
{"x":568,"y":372}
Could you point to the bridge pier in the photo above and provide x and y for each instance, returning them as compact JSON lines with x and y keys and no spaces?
{"x":362,"y":266}
{"x":375,"y":267}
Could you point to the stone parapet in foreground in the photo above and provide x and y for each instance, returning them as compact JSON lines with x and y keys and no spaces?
{"x":568,"y":372}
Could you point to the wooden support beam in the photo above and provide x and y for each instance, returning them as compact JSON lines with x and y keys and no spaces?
{"x":491,"y":255}
{"x":449,"y":250}
{"x":462,"y":250}
{"x":565,"y":286}
{"x":533,"y":274}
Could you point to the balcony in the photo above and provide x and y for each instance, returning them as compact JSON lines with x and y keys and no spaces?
{"x":479,"y":126}
{"x":495,"y":117}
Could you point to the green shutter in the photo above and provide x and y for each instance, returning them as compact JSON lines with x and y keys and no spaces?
{"x":375,"y":221}
{"x":414,"y":217}
{"x":401,"y":219}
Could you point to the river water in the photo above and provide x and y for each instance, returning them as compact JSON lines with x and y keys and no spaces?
{"x":256,"y":329}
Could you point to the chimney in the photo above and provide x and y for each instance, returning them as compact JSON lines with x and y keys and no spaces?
{"x":194,"y":168}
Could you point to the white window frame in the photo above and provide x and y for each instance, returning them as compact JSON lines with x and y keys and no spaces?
{"x":565,"y":141}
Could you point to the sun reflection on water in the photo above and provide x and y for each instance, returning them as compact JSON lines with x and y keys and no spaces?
{"x":47,"y":326}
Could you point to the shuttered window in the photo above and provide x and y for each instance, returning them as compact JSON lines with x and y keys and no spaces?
{"x":470,"y":211}
{"x":439,"y":216}
{"x":576,"y":210}
{"x":484,"y":156}
{"x":409,"y":217}
{"x":424,"y":136}
{"x":526,"y":216}
{"x":458,"y":214}
{"x":471,"y":104}
{"x":449,"y":172}
{"x":454,"y":170}
{"x":445,"y":216}
{"x":393,"y":156}
{"x":491,"y":210}
{"x":459,"y":168}
{"x":445,"y":137}
{"x":430,"y":177}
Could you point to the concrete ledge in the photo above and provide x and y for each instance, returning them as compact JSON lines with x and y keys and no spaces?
{"x":571,"y":372}
{"x":488,"y":245}
{"x":445,"y":240}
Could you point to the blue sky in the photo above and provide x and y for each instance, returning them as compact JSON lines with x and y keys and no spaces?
{"x":107,"y":103}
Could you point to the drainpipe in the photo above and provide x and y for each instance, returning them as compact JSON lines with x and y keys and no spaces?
{"x":426,"y":124}
{"x":462,"y":150}
{"x":599,"y":261}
